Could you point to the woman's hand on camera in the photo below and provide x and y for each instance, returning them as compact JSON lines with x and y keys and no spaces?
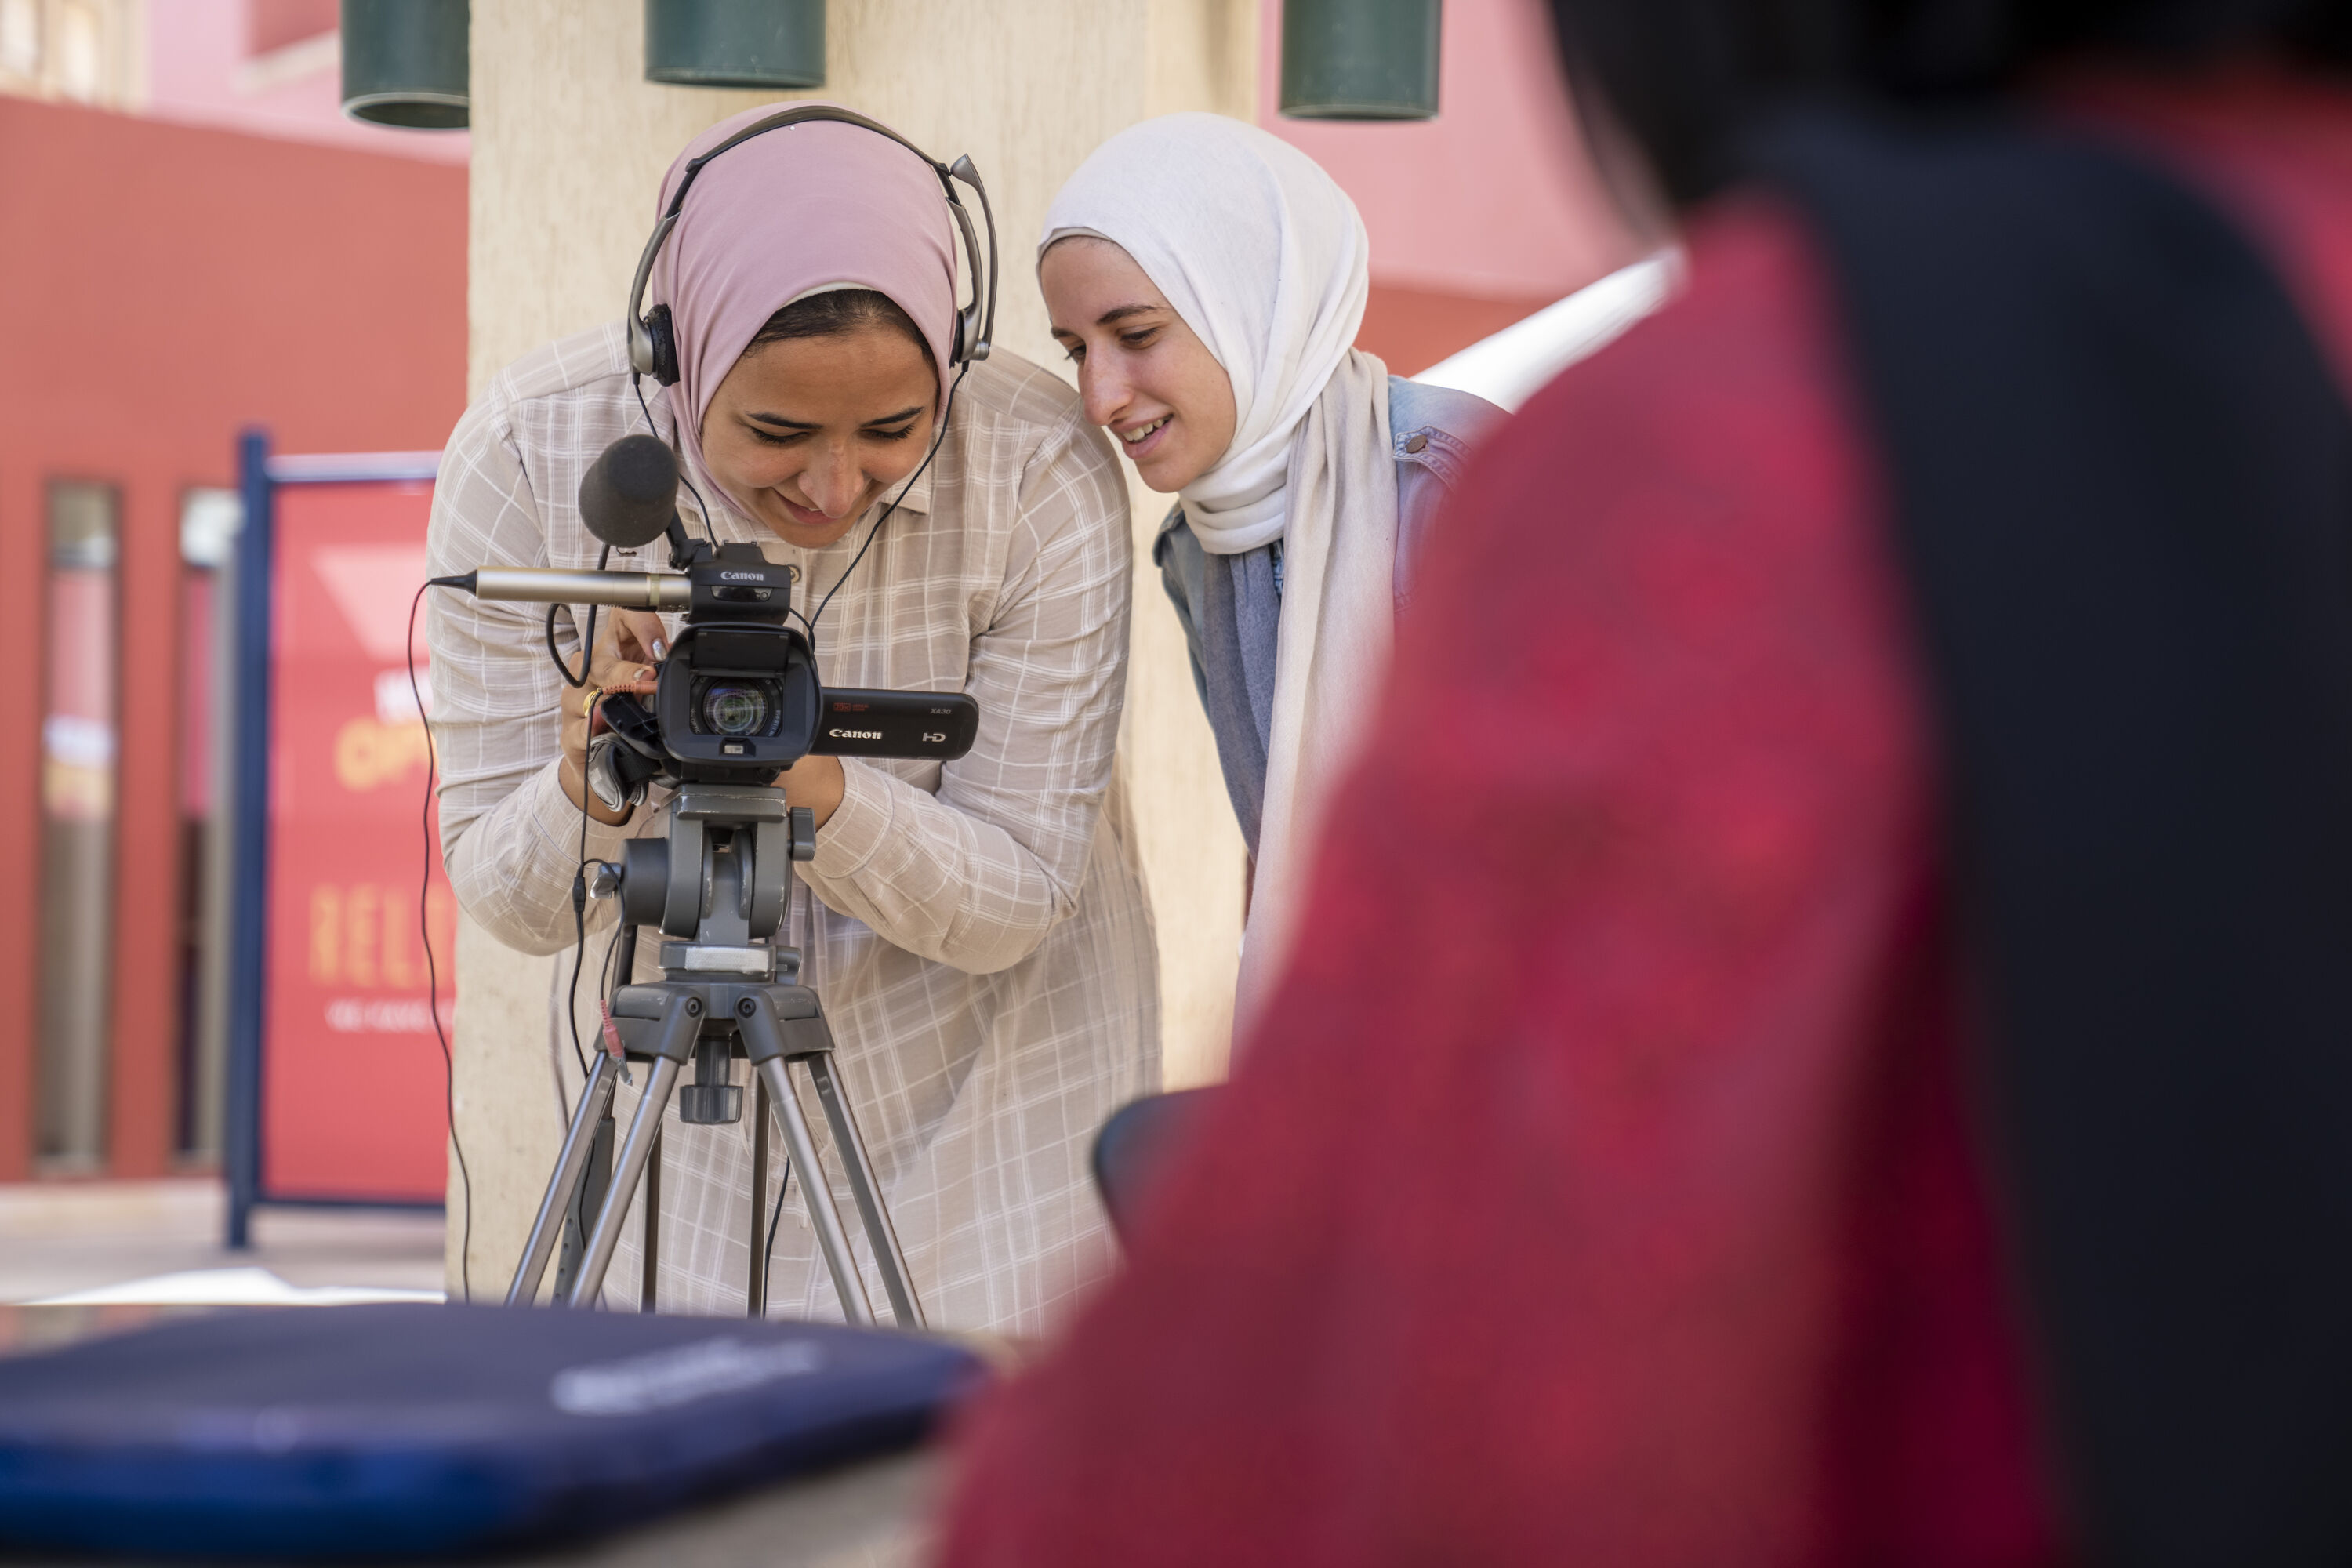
{"x":637,"y":636}
{"x":630,"y":647}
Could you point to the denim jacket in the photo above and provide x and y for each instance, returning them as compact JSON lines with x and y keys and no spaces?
{"x":1433,"y":429}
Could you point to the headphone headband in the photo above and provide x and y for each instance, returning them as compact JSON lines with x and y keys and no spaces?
{"x":653,"y":344}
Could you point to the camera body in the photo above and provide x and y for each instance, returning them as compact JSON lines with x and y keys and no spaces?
{"x":738,"y":699}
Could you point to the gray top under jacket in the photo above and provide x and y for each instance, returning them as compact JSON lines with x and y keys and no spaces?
{"x":1230,"y":606}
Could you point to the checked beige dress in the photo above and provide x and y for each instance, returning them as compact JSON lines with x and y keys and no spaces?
{"x":977,"y":932}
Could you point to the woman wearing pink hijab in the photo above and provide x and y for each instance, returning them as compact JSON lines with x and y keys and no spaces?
{"x":977,"y":930}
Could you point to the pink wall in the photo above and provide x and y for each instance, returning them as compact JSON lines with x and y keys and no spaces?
{"x":1493,"y":199}
{"x":200,"y":72}
{"x":189,"y":281}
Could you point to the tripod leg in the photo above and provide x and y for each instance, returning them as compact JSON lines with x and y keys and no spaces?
{"x":755,"y":1288}
{"x":867,"y":1192}
{"x":816,"y":1192}
{"x":587,"y":1202}
{"x":643,"y":1129}
{"x":595,"y":1098}
{"x":653,"y":1226}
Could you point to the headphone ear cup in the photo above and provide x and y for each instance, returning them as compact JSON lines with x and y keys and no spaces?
{"x":665,"y":345}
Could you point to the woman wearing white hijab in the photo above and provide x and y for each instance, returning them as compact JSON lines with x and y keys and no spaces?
{"x":1209,"y":280}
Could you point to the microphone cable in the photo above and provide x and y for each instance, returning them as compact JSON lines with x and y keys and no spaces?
{"x":588,"y":641}
{"x":432,"y":974}
{"x":938,"y":441}
{"x":701,"y":507}
{"x":580,"y":869}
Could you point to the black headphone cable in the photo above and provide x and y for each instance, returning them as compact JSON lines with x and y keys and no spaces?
{"x":938,"y":441}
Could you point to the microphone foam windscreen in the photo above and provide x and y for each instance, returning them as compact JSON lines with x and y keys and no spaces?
{"x":630,"y":493}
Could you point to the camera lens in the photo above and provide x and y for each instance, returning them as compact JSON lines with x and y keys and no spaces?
{"x":735,"y":709}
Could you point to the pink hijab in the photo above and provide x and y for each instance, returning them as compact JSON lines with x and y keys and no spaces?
{"x":787,"y":214}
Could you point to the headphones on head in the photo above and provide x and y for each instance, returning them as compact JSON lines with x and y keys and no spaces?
{"x":653,"y":342}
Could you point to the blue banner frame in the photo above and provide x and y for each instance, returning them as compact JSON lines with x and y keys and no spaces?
{"x":260,"y":475}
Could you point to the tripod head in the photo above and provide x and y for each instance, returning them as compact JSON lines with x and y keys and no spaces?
{"x":718,"y":881}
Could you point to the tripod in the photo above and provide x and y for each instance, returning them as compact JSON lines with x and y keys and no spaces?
{"x":721,"y":879}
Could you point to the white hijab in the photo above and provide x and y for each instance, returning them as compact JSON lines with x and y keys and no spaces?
{"x":1265,"y":258}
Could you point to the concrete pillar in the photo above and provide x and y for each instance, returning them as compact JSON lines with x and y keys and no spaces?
{"x":569,"y":147}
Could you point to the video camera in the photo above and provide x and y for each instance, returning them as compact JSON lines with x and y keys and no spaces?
{"x":738,"y":700}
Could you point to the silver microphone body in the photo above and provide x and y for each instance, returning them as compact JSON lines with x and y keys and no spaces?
{"x":552,"y":586}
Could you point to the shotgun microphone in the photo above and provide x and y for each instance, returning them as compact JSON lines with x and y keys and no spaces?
{"x":554,"y":586}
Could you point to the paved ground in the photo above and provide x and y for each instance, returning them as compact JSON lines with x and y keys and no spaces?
{"x":57,"y":1237}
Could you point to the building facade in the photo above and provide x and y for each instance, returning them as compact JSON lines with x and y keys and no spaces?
{"x":173,"y":284}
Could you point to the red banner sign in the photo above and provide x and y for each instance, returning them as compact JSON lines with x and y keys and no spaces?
{"x":352,"y":1090}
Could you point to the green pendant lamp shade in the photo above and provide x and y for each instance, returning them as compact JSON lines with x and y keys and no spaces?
{"x":735,"y":43}
{"x":1359,"y":60}
{"x":405,"y":62}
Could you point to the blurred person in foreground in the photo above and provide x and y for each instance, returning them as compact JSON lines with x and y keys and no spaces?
{"x":1819,"y":1034}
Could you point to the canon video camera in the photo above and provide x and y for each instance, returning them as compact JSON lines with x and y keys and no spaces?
{"x":738,"y":700}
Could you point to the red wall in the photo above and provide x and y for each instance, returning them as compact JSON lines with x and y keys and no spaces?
{"x":166,"y":286}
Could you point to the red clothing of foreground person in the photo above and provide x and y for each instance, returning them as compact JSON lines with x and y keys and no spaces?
{"x":1599,"y":1190}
